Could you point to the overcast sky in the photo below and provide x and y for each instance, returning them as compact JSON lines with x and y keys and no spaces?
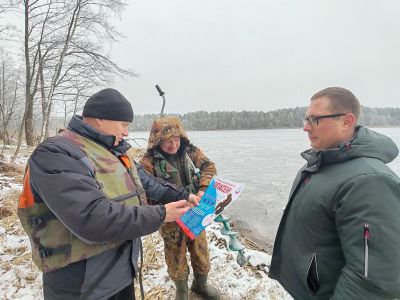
{"x":258,"y":54}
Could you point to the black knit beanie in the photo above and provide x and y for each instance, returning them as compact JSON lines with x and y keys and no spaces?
{"x":108,"y":104}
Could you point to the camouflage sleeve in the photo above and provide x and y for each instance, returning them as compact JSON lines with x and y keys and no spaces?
{"x":206,"y":166}
{"x":159,"y":190}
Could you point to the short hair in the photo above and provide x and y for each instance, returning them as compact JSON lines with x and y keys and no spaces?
{"x":341,"y":100}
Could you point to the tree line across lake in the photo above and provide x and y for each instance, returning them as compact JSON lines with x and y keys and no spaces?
{"x":281,"y":118}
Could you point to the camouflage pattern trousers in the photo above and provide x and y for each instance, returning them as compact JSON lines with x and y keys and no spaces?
{"x":175,"y":245}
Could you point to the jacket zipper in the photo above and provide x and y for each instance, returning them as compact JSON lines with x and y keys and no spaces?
{"x":366,"y":238}
{"x":124,"y":197}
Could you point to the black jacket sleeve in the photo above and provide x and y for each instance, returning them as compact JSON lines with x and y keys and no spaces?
{"x":160,"y":190}
{"x":63,"y":182}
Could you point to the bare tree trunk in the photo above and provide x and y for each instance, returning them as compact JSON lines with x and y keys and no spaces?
{"x":3,"y":101}
{"x":21,"y":130}
{"x":29,"y":125}
{"x":65,"y":113}
{"x":28,"y":116}
{"x":9,"y":88}
{"x":6,"y":137}
{"x":46,"y":132}
{"x":42,"y":96}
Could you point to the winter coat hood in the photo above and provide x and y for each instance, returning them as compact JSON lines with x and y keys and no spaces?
{"x":165,"y":128}
{"x":365,"y":143}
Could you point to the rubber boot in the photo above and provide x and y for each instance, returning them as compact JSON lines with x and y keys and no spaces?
{"x":181,"y":292}
{"x":200,"y":287}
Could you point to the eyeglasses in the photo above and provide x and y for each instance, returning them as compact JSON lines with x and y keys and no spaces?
{"x":313,"y":120}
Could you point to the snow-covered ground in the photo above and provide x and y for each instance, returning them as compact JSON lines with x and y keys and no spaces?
{"x":21,"y":279}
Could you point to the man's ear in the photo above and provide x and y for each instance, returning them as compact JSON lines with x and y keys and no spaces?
{"x":349,"y":121}
{"x":99,"y":123}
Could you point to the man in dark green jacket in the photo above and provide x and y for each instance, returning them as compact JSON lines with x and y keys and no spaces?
{"x":339,"y":237}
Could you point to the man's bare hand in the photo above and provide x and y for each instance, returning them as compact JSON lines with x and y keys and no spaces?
{"x":175,"y":209}
{"x":193,"y":200}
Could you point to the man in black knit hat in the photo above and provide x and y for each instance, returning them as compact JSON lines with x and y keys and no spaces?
{"x":83,"y":204}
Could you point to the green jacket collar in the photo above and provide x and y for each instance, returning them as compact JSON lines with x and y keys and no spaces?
{"x":365,"y":143}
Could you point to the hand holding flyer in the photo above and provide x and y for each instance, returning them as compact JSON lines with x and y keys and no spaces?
{"x":219,"y":194}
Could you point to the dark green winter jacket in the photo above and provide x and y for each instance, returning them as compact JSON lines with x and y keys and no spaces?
{"x":320,"y":250}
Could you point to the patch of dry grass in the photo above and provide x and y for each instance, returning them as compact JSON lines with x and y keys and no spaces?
{"x":5,"y":212}
{"x":10,"y":222}
{"x":12,"y":170}
{"x":253,"y":292}
{"x":220,"y":243}
{"x":22,"y":259}
{"x":8,"y":210}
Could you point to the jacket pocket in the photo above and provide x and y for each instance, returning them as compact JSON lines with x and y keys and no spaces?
{"x":313,"y":282}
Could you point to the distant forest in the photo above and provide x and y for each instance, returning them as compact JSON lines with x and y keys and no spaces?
{"x":281,"y":118}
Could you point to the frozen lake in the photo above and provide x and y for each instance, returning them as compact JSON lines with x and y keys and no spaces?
{"x":267,"y":162}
